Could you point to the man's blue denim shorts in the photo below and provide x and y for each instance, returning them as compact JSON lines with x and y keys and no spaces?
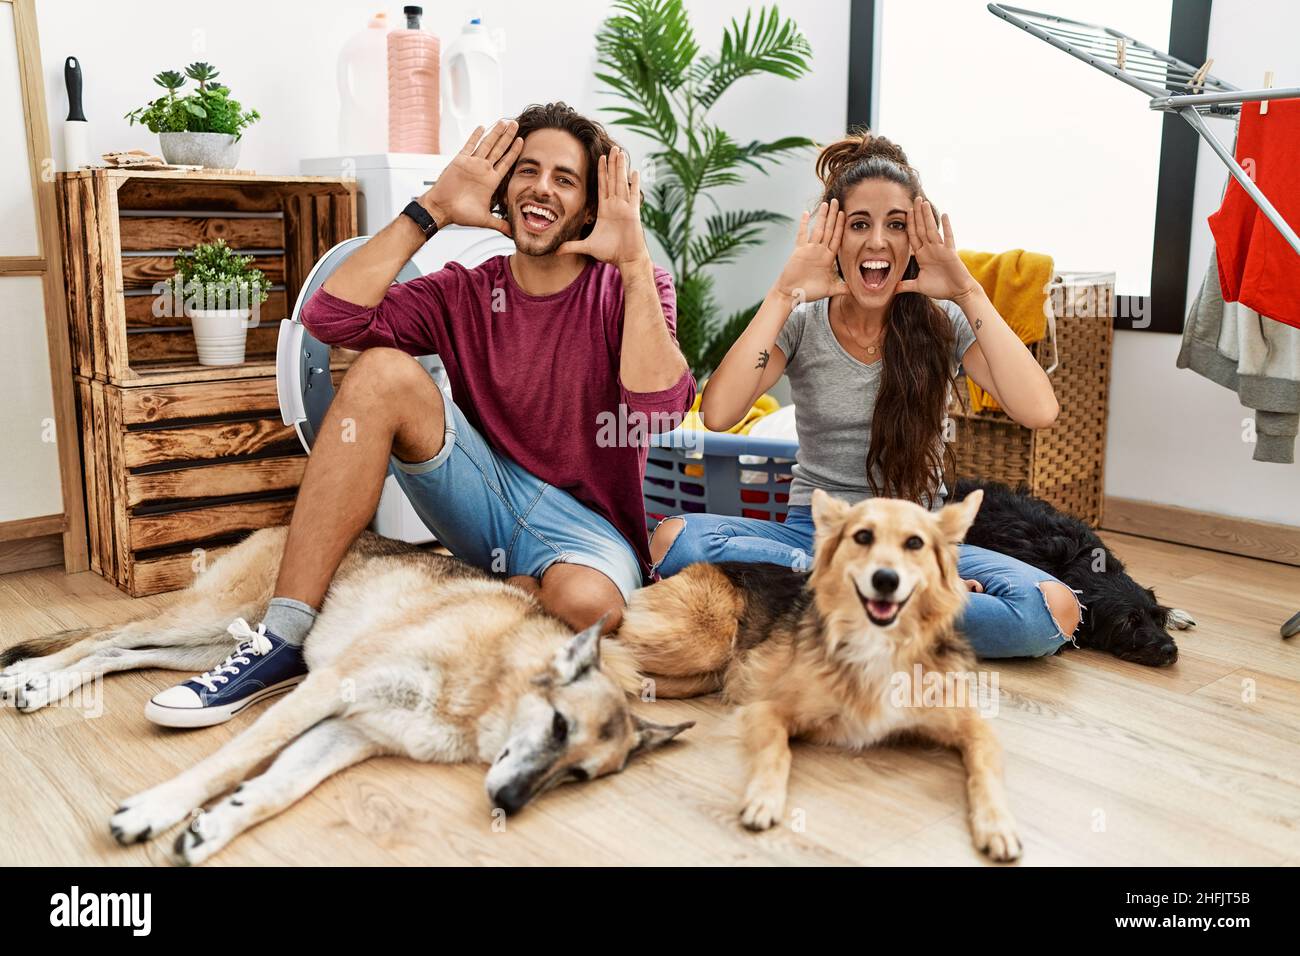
{"x":487,"y":510}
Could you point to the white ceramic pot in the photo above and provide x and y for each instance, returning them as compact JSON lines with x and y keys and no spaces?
{"x":215,"y":150}
{"x":221,"y":334}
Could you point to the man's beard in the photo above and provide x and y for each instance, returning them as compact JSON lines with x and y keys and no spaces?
{"x":549,"y":241}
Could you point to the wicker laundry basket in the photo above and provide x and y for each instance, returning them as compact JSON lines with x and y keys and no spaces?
{"x":1065,"y":463}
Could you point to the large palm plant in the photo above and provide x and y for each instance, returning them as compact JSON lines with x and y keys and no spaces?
{"x":649,"y":57}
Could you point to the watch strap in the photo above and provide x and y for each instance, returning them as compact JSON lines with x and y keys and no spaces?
{"x":420,"y":216}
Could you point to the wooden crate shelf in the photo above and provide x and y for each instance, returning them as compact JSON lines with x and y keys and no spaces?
{"x":182,"y":460}
{"x":176,"y":473}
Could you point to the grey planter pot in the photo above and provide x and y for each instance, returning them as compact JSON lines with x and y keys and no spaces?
{"x":217,"y":150}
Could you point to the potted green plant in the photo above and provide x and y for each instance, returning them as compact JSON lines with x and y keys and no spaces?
{"x":201,"y":128}
{"x":222,"y":293}
{"x":650,"y":59}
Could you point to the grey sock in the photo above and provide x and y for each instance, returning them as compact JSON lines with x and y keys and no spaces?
{"x":289,"y":619}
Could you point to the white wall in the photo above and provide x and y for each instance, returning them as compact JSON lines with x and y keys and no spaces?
{"x":1174,"y":436}
{"x":285,"y":68}
{"x":1022,"y":145}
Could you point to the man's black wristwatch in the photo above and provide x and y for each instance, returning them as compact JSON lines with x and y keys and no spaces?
{"x":420,"y":216}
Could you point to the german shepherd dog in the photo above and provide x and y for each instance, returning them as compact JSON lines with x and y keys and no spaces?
{"x":1122,"y":616}
{"x":820,"y":655}
{"x":413,"y":653}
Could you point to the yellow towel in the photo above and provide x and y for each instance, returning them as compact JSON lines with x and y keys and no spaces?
{"x":1016,"y":283}
{"x":763,"y":405}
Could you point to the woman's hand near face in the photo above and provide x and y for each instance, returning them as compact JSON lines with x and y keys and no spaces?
{"x":754,"y":362}
{"x":997,"y":361}
{"x":810,"y":273}
{"x":942,"y":273}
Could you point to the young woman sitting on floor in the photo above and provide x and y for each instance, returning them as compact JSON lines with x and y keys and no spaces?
{"x":869,"y":318}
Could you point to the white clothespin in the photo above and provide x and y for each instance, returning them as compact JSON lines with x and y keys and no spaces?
{"x":1268,"y":85}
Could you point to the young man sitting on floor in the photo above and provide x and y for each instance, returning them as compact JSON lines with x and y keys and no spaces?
{"x":543,"y":349}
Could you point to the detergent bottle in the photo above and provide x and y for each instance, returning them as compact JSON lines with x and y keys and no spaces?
{"x":363,"y":90}
{"x":471,"y":83}
{"x":412,"y":87}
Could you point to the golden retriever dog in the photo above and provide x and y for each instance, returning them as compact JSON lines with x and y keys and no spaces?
{"x":831,"y":656}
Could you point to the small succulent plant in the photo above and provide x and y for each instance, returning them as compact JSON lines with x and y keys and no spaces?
{"x":209,"y":109}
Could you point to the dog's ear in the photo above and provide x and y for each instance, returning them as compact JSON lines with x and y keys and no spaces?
{"x":955,"y":519}
{"x":828,"y":514}
{"x":650,"y":735}
{"x":827,"y":511}
{"x":580,"y":655}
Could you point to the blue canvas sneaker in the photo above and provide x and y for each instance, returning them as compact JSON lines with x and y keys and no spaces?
{"x":261,"y":666}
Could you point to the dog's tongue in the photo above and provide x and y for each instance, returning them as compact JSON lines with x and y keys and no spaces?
{"x":882,"y":609}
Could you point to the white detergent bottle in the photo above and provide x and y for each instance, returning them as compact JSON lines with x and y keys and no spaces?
{"x":363,"y":90}
{"x":471,"y":83}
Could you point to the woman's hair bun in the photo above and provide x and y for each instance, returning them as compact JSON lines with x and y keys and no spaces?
{"x":858,"y":146}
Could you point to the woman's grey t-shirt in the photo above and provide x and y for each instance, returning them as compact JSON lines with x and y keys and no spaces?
{"x":834,"y":399}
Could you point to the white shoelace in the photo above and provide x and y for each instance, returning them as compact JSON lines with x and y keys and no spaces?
{"x":248,"y":642}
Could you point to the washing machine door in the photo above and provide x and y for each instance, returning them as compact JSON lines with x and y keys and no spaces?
{"x":302,"y":376}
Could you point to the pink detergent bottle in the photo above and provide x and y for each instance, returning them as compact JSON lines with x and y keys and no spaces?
{"x":412,"y":87}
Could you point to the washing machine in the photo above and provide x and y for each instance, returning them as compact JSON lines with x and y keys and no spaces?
{"x":303,"y":382}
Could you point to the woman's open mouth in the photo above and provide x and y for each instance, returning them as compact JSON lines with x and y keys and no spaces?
{"x":874,"y":272}
{"x":537,"y":218}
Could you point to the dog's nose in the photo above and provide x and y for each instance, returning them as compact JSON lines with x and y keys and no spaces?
{"x":510,"y":798}
{"x":885,"y":581}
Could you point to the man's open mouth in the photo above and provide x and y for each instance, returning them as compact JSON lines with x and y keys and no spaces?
{"x":538,"y":218}
{"x":880,"y":612}
{"x":874,"y":272}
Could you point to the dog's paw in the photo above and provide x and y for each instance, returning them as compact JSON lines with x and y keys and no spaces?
{"x":762,"y":809}
{"x":209,"y":831}
{"x":145,"y":815}
{"x":995,"y":835}
{"x":11,"y":679}
{"x":38,"y":691}
{"x":34,"y":692}
{"x":1180,"y":619}
{"x":198,"y":841}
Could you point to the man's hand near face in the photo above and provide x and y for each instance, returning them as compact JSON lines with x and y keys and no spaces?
{"x":617,"y":237}
{"x":462,"y":196}
{"x":650,"y":360}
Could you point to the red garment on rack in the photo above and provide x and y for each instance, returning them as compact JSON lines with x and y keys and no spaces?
{"x":1256,"y":265}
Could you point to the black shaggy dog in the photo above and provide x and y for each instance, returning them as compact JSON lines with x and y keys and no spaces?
{"x":1121,"y":616}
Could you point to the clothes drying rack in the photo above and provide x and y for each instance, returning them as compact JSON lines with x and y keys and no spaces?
{"x":1174,"y":86}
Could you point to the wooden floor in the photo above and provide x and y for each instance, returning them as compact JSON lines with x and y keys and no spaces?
{"x":1107,"y":762}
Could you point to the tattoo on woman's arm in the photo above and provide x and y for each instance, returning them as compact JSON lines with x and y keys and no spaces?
{"x":979,"y":324}
{"x":763,"y":356}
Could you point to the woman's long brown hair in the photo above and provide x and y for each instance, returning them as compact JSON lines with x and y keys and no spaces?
{"x":908,"y":452}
